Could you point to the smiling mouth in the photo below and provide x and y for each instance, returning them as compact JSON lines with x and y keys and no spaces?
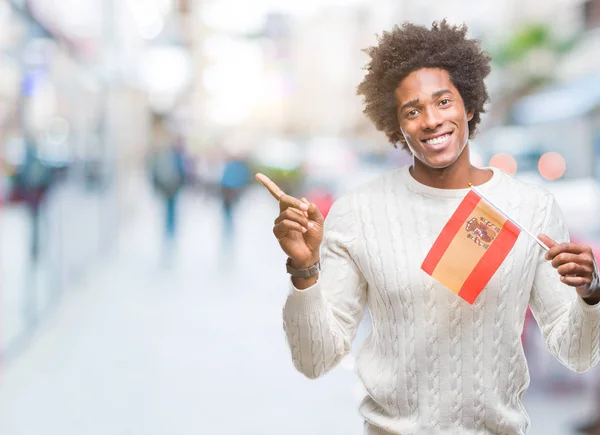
{"x":439,"y":140}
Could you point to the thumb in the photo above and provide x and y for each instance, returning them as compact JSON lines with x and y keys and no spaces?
{"x":547,"y":240}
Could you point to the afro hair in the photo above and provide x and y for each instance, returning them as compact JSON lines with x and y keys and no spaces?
{"x":406,"y":49}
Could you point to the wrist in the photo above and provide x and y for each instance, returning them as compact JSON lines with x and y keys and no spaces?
{"x":306,"y":272}
{"x":591,"y":300}
{"x":589,"y":294}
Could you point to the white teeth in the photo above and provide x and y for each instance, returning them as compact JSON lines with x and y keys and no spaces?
{"x":438,"y":140}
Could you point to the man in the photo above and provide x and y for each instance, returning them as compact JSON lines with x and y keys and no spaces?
{"x":433,"y":364}
{"x":236,"y":176}
{"x":168,"y":172}
{"x":33,"y":180}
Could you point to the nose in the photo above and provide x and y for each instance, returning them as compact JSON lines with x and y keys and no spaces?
{"x":431,"y":119}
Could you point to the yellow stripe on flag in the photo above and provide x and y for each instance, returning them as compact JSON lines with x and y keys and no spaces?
{"x":464,"y":253}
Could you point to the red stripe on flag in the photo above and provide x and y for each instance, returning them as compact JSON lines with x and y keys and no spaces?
{"x":490,"y":262}
{"x":453,"y":225}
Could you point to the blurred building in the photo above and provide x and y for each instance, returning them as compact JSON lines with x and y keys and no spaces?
{"x":79,"y":81}
{"x":562,"y":114}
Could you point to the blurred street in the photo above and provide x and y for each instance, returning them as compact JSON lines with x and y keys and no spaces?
{"x":192,"y":345}
{"x":143,"y":348}
{"x":141,"y":288}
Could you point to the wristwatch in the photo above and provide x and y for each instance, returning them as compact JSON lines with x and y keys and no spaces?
{"x":303,"y":273}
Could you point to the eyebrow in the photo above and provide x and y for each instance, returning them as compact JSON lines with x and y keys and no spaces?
{"x":415,"y":102}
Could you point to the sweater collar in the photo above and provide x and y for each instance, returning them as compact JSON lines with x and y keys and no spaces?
{"x":418,"y":187}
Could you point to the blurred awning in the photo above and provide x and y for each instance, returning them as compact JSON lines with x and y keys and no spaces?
{"x":280,"y":154}
{"x":559,"y":103}
{"x":329,"y":157}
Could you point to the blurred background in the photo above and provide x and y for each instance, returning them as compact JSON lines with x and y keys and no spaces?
{"x":140,"y":285}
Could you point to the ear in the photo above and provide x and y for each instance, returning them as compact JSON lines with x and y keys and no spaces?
{"x":470,"y":115}
{"x":400,"y":140}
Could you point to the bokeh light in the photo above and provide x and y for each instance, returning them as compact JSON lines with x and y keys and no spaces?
{"x":505,"y":162}
{"x":552,"y":166}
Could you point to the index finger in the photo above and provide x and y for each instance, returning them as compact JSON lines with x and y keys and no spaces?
{"x":570,"y":248}
{"x":273,"y":188}
{"x":285,"y":201}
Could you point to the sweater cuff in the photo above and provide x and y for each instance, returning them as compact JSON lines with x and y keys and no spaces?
{"x":305,"y":301}
{"x":590,"y":313}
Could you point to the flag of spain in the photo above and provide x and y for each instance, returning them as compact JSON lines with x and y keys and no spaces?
{"x":471,"y":247}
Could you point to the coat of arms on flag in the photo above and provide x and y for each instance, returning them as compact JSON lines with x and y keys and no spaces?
{"x":471,"y":247}
{"x":481,"y":231}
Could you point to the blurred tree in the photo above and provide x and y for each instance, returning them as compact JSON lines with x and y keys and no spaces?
{"x":528,"y":39}
{"x":523,"y":63}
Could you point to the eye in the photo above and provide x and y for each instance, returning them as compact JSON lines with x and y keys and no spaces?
{"x":445,"y":102}
{"x":412,"y":113}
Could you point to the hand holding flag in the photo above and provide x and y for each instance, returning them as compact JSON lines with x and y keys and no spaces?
{"x":465,"y":268}
{"x":575,"y":264}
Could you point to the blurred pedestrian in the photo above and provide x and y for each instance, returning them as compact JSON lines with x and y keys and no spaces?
{"x":32,"y":181}
{"x":235,"y":178}
{"x":433,"y":363}
{"x":168,"y":171}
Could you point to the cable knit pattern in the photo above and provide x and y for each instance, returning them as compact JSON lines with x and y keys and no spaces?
{"x":595,"y":333}
{"x":412,"y":379}
{"x":401,"y":252}
{"x":434,"y":364}
{"x":394,"y":339}
{"x":478,"y":373}
{"x":381,"y":331}
{"x":422,"y":232}
{"x":316,"y":343}
{"x":516,"y":366}
{"x":503,"y":298}
{"x":455,"y":355}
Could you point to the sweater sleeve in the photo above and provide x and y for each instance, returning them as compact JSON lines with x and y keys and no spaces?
{"x":570,"y":327}
{"x":321,"y":321}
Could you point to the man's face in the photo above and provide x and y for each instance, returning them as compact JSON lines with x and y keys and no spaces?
{"x":432,"y":117}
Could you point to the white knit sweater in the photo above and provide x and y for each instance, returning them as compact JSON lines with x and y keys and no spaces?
{"x":433,"y":364}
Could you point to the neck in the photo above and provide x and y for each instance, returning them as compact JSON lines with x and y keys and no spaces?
{"x":456,"y":176}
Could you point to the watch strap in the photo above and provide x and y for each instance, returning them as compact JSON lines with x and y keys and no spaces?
{"x":303,"y":273}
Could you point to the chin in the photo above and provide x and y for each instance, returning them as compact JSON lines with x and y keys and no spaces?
{"x":440,"y":162}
